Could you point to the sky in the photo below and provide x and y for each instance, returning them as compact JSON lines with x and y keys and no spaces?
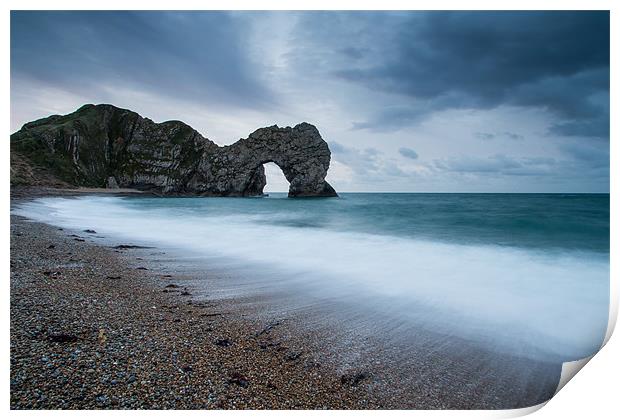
{"x":407,"y":101}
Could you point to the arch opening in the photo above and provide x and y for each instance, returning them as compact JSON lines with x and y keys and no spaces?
{"x":276,"y":182}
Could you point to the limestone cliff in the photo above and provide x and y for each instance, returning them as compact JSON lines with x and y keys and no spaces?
{"x":101,"y":145}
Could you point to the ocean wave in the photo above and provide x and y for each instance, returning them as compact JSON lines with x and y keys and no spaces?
{"x":510,"y":297}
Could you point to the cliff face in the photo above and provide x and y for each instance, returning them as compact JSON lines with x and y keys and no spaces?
{"x":100,"y":145}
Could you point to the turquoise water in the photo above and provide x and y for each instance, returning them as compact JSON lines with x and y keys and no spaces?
{"x":514,"y":271}
{"x":540,"y":221}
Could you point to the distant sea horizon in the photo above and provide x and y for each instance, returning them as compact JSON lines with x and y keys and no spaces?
{"x":456,"y":192}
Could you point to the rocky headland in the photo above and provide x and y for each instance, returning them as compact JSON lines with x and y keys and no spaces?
{"x":106,"y":146}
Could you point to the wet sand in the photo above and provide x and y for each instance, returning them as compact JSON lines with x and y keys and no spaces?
{"x":93,"y":326}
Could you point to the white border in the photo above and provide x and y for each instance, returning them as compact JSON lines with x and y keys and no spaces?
{"x":593,"y":395}
{"x":311,"y":5}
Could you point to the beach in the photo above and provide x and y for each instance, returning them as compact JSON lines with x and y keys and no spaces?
{"x":89,"y":329}
{"x":113,"y":326}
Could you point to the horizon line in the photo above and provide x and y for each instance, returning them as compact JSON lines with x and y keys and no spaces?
{"x":455,"y":192}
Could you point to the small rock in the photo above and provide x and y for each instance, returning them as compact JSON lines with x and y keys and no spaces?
{"x":102,"y":400}
{"x":123,"y":246}
{"x":268,"y":328}
{"x":101,"y":337}
{"x":52,"y":273}
{"x":354,"y":379}
{"x":292,"y":356}
{"x":238,"y":379}
{"x":111,"y":183}
{"x":212,"y":314}
{"x":224,"y":342}
{"x":89,"y":231}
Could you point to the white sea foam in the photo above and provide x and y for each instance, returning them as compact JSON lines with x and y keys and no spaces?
{"x":556,"y":302}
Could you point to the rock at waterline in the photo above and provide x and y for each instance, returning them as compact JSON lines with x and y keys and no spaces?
{"x":111,"y":183}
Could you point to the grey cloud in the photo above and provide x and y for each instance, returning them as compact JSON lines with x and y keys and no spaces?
{"x":496,"y":163}
{"x":390,"y":118}
{"x":408,"y":153}
{"x":539,"y":161}
{"x":502,"y":165}
{"x":353,"y":52}
{"x":484,"y":136}
{"x":194,"y":56}
{"x":584,"y":161}
{"x":595,"y":127}
{"x":513,"y":136}
{"x":361,"y":161}
{"x":505,"y":134}
{"x":369,"y":162}
{"x":591,"y":154}
{"x":337,"y":148}
{"x":555,"y":60}
{"x":393,"y":170}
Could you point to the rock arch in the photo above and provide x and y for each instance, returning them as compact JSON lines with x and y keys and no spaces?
{"x":100,"y":145}
{"x":300,"y":152}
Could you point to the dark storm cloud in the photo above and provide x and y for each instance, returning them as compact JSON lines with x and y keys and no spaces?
{"x":557,"y":61}
{"x":487,"y":55}
{"x":408,"y":153}
{"x":195,"y":56}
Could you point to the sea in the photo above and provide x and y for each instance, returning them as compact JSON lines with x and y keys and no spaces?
{"x":521,"y":273}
